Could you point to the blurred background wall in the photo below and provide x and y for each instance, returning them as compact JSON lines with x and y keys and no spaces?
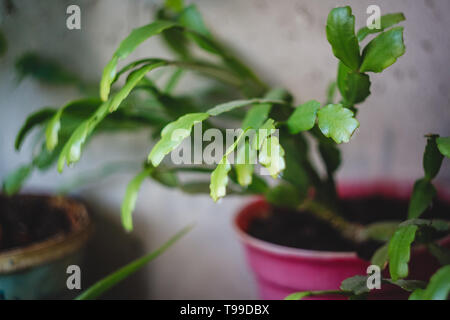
{"x":285,"y":40}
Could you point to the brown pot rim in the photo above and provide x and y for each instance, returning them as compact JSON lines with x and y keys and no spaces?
{"x":55,"y":247}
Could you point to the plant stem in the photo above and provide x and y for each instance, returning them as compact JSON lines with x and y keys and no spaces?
{"x":348,"y":230}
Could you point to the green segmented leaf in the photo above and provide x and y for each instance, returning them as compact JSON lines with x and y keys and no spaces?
{"x":14,"y":181}
{"x":245,"y":160}
{"x":219,"y":180}
{"x":271,"y":156}
{"x":304,"y":117}
{"x":33,"y":120}
{"x":267,"y":129}
{"x":258,"y":113}
{"x":337,"y":122}
{"x":422,"y":196}
{"x":444,"y":146}
{"x":111,"y":280}
{"x":353,"y":86}
{"x":432,"y":158}
{"x":357,"y":285}
{"x":54,"y":125}
{"x":228,"y":106}
{"x":71,"y":151}
{"x":383,"y":51}
{"x":437,"y":289}
{"x":219,"y":177}
{"x":132,"y":81}
{"x":387,"y":21}
{"x":341,"y":35}
{"x":400,"y":251}
{"x":173,"y":134}
{"x":127,"y":46}
{"x":129,"y":201}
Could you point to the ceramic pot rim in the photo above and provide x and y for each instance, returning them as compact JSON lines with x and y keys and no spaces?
{"x":55,"y":247}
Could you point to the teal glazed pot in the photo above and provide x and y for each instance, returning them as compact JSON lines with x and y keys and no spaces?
{"x":39,"y":270}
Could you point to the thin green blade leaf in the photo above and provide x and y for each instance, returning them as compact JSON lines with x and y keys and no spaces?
{"x":108,"y":282}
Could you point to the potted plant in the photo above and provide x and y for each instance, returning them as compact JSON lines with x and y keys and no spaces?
{"x":327,"y":221}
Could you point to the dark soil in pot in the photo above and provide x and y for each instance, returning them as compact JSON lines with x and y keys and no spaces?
{"x":302,"y":230}
{"x":27,"y":219}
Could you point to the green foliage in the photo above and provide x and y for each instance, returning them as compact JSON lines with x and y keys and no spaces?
{"x":100,"y":287}
{"x":432,"y":159}
{"x":341,"y":35}
{"x":399,"y":251}
{"x":337,"y":122}
{"x":33,"y":120}
{"x":383,"y":51}
{"x":444,"y":146}
{"x":44,"y":70}
{"x":173,"y":134}
{"x":286,"y":156}
{"x":422,"y":196}
{"x":304,"y":117}
{"x":437,"y":289}
{"x":13,"y":182}
{"x":357,"y":285}
{"x":353,"y":86}
{"x":129,"y":201}
{"x":387,"y":21}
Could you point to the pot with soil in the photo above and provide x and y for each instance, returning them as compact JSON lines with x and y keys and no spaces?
{"x":40,"y":236}
{"x":291,"y":251}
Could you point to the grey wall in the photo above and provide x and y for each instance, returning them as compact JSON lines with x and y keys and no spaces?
{"x":286,"y":41}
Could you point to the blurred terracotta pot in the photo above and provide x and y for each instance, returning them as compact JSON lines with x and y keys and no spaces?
{"x":281,"y":270}
{"x":38,"y":270}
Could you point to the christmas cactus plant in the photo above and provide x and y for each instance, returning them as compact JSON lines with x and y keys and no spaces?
{"x":272,"y":137}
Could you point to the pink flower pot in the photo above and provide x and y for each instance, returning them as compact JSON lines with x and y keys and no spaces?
{"x":281,"y":270}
